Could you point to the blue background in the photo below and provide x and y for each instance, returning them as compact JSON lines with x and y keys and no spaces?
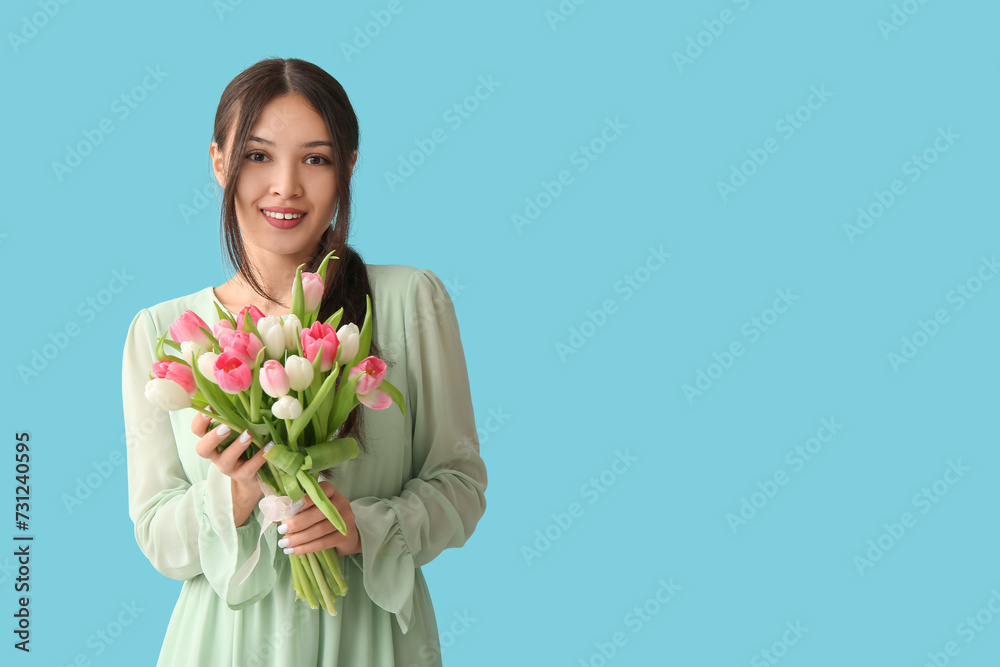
{"x":578,"y":560}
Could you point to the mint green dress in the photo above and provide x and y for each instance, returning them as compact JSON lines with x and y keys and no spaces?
{"x":417,"y":491}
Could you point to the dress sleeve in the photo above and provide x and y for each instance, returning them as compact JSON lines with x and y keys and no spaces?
{"x":441,"y":504}
{"x":185,"y":529}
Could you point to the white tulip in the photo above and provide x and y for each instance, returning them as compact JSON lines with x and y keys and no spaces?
{"x":286,"y":407}
{"x":168,"y":395}
{"x":291,"y":327}
{"x":190,"y":350}
{"x":206,"y":364}
{"x":350,"y":339}
{"x":273,"y":336}
{"x":300,"y":372}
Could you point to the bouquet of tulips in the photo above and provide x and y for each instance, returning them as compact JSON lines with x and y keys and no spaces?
{"x":279,"y":380}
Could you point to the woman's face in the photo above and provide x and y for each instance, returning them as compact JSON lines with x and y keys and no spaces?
{"x":287,"y":194}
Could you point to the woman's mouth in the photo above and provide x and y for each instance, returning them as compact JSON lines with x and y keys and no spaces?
{"x":282,"y":218}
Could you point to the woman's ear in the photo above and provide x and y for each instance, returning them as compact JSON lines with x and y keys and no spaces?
{"x":350,"y":170}
{"x":218,"y":164}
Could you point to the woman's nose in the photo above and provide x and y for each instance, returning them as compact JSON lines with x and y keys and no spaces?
{"x":287,"y":181}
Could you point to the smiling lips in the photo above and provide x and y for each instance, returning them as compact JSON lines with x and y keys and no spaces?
{"x":282,"y":217}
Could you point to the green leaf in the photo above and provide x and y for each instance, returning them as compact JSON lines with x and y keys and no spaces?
{"x":326,"y":407}
{"x":299,"y":424}
{"x":255,"y":388}
{"x":321,"y":500}
{"x":322,"y":266}
{"x":328,"y":454}
{"x":211,"y":337}
{"x":298,"y":298}
{"x":334,"y":320}
{"x":268,"y":478}
{"x":364,"y":343}
{"x":285,"y":459}
{"x":168,"y":357}
{"x":224,"y":314}
{"x":248,"y":325}
{"x":160,"y":355}
{"x":345,"y":401}
{"x":316,"y":363}
{"x":292,"y":487}
{"x":394,"y":394}
{"x":275,"y":434}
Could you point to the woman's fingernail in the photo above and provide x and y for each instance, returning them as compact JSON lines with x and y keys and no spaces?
{"x":283,"y":542}
{"x":297,"y":505}
{"x":222,"y":430}
{"x":290,"y":550}
{"x":245,"y":437}
{"x":268,"y":446}
{"x":282,"y":529}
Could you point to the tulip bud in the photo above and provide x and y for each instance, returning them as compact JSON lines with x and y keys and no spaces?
{"x":274,"y":379}
{"x":188,"y":327}
{"x":312,"y":290}
{"x":287,"y":407}
{"x":292,"y":327}
{"x":221,"y":327}
{"x":272,"y":335}
{"x":190,"y":350}
{"x":350,"y":338}
{"x":167,"y":394}
{"x":206,"y":364}
{"x":300,"y":372}
{"x":255,"y":316}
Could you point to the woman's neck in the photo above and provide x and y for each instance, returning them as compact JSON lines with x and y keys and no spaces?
{"x":235,"y":294}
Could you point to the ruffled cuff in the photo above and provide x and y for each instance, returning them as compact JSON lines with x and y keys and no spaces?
{"x":385,"y":558}
{"x":225,"y":548}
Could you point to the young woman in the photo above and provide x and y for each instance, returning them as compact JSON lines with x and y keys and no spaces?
{"x":284,"y":148}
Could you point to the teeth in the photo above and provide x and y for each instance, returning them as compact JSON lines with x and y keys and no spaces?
{"x":282,"y":216}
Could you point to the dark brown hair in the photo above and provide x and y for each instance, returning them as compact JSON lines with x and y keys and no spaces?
{"x":241,"y":104}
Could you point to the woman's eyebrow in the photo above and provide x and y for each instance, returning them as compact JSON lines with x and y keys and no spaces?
{"x":308,"y":144}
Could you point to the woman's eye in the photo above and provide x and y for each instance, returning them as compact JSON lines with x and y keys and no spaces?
{"x":320,"y":159}
{"x":253,"y":155}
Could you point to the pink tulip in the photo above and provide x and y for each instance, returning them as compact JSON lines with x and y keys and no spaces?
{"x":315,"y":336}
{"x":274,"y":379}
{"x":221,"y":327}
{"x":232,"y":373}
{"x":177,"y":372}
{"x":255,"y":314}
{"x":312,"y":290}
{"x":186,"y":327}
{"x":372,"y":372}
{"x":241,"y":343}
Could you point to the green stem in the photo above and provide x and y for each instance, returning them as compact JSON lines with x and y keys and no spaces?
{"x":321,"y":584}
{"x":305,"y":589}
{"x":332,"y":561}
{"x":278,"y":488}
{"x":246,"y":404}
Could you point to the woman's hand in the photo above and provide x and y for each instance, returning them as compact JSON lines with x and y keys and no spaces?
{"x":243,"y":473}
{"x":310,"y":530}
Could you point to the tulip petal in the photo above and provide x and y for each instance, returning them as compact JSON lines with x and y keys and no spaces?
{"x":167,"y":394}
{"x":394,"y":394}
{"x":376,"y":400}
